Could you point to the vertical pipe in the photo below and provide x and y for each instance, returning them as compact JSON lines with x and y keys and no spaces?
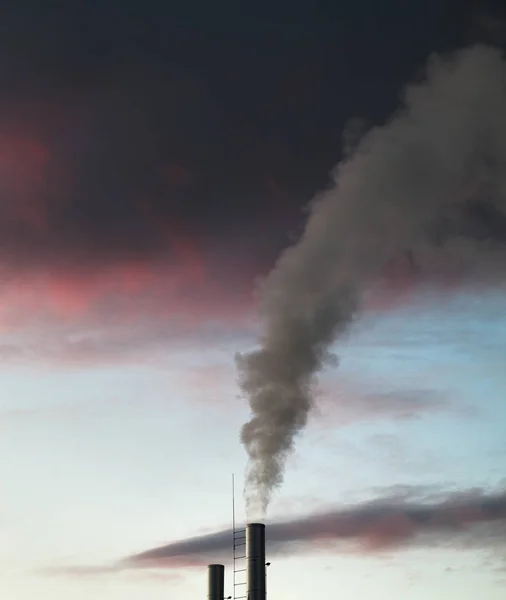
{"x":216,"y":582}
{"x":255,"y":557}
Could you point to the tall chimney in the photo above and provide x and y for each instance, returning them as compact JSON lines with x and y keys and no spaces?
{"x":216,"y":582}
{"x":255,"y":557}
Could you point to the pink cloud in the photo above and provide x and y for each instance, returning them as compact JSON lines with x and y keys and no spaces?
{"x":341,"y":402}
{"x":113,"y":311}
{"x":24,"y":166}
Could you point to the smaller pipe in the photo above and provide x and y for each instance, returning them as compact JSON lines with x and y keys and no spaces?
{"x":216,"y":582}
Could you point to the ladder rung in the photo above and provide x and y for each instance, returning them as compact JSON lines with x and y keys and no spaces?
{"x":240,"y":571}
{"x":238,"y":557}
{"x":241,"y":544}
{"x":240,"y":583}
{"x":240,"y":597}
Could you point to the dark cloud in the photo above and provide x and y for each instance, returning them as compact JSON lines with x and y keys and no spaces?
{"x":127,"y":124}
{"x":154,"y":160}
{"x":123,"y":151}
{"x":374,"y":525}
{"x":472,"y":519}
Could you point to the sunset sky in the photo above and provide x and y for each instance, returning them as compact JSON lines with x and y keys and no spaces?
{"x":154,"y":161}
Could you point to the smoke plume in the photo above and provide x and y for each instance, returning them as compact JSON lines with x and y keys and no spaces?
{"x":431,"y":182}
{"x":374,"y":525}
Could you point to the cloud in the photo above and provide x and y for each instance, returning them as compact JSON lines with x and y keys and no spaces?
{"x":81,"y":571}
{"x":118,"y":311}
{"x":122,"y":181}
{"x":117,"y":212}
{"x":105,"y":143}
{"x":342,"y":403}
{"x":142,"y":341}
{"x":140,"y":575}
{"x":119,"y":167}
{"x":470,"y":519}
{"x":490,"y":25}
{"x":376,"y":525}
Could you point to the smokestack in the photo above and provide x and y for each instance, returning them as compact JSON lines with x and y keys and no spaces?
{"x":255,"y":557}
{"x":216,"y":582}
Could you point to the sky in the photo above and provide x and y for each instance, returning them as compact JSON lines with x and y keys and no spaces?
{"x":154,"y":162}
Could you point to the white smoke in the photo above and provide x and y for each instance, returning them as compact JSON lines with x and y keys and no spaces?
{"x":408,"y":185}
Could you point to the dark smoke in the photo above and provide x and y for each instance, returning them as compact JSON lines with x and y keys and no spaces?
{"x":433,"y":181}
{"x":374,"y":525}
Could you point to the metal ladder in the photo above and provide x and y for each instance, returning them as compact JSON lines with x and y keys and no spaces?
{"x":239,"y":563}
{"x":238,"y":554}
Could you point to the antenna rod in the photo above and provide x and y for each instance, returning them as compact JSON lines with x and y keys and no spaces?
{"x":233,"y":536}
{"x":233,"y":501}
